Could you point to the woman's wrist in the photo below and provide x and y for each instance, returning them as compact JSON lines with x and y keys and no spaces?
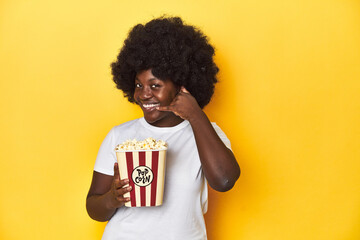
{"x":109,"y":201}
{"x":197,"y":117}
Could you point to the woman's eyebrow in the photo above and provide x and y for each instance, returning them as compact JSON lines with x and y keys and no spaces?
{"x":149,"y":80}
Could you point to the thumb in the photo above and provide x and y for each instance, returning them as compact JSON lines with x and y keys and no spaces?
{"x":116,"y":171}
{"x":183,"y":89}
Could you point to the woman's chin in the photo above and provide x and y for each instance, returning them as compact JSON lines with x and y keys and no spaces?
{"x":152,"y":118}
{"x":169,"y":120}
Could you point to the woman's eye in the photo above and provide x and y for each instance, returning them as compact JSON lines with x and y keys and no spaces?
{"x":155,"y":85}
{"x":137,"y":85}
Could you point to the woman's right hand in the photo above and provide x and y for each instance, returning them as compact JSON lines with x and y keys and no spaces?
{"x":118,"y":189}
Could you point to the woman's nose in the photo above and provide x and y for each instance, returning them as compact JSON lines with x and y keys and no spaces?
{"x":145,"y":93}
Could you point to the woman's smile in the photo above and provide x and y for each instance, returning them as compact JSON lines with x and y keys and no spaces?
{"x":150,"y":106}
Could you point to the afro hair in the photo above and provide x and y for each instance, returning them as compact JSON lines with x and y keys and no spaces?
{"x":173,"y":51}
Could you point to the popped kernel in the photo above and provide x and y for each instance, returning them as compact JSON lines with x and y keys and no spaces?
{"x":147,"y":144}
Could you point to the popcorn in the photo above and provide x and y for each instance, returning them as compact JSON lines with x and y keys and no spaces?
{"x":147,"y":144}
{"x":143,"y":163}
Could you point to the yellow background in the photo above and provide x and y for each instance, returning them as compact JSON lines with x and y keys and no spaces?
{"x":288,"y":99}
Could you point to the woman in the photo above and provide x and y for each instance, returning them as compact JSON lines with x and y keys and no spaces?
{"x":167,"y":68}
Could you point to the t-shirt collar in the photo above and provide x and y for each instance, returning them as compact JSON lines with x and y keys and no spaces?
{"x":164,"y":129}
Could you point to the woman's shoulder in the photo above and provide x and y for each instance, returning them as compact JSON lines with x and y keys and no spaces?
{"x":123,"y":131}
{"x":216,"y":127}
{"x":221,"y":134}
{"x":129,"y":125}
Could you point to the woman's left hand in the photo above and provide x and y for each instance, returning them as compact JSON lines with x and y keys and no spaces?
{"x":184,"y":105}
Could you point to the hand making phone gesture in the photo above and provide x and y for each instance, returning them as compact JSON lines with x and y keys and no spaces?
{"x":184,"y":105}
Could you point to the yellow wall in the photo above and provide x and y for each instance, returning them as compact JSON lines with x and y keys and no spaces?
{"x":289,"y":100}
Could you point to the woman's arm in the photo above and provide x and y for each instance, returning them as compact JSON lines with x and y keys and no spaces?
{"x":218,"y":162}
{"x":106,"y":195}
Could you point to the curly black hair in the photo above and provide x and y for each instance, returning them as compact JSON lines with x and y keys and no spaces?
{"x":172,"y":50}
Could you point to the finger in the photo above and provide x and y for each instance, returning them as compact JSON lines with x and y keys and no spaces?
{"x":116,"y":171}
{"x":183,"y":89}
{"x":165,"y":108}
{"x":122,"y":199}
{"x":124,"y":182}
{"x":124,"y":190}
{"x":119,"y":184}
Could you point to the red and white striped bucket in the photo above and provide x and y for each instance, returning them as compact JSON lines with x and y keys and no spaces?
{"x":145,"y":170}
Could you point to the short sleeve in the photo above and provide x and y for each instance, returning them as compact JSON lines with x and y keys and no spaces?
{"x":221,"y":135}
{"x":106,"y":156}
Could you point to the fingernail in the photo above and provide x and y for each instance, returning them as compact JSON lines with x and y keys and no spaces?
{"x":129,"y":188}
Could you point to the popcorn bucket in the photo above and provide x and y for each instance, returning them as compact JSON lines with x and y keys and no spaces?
{"x":145,"y":170}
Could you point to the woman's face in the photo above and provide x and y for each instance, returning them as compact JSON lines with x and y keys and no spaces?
{"x":151,"y":92}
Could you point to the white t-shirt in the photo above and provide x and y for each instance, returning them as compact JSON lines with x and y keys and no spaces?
{"x":185,"y":192}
